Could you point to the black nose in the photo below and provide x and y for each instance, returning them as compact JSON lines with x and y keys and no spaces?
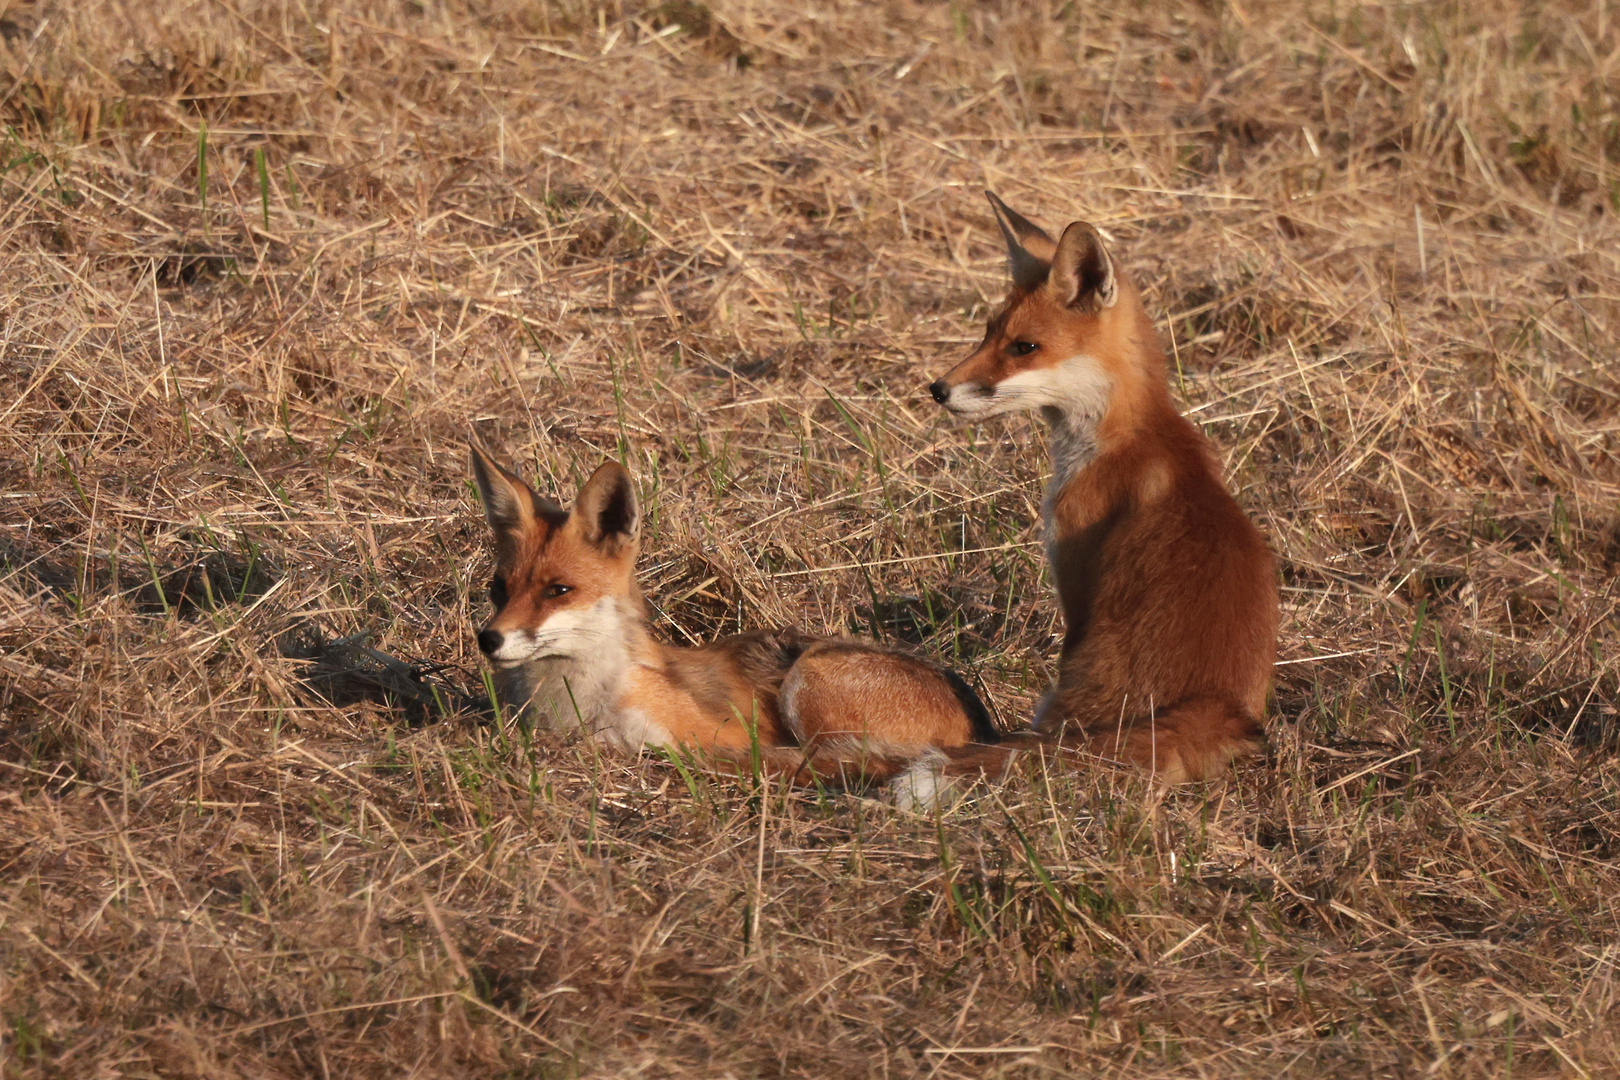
{"x":489,"y":642}
{"x":939,"y":390}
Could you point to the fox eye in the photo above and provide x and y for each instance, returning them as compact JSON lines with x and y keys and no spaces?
{"x":552,"y":592}
{"x":497,"y":591}
{"x":1023,"y":348}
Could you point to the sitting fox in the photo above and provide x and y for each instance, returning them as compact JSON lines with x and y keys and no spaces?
{"x":570,"y":645}
{"x":1168,"y":591}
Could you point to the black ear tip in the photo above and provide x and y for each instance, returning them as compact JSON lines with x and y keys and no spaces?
{"x":618,"y":512}
{"x":623,"y":481}
{"x":608,"y":503}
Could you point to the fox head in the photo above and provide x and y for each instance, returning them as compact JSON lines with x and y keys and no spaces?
{"x":564,"y":581}
{"x":1067,"y":337}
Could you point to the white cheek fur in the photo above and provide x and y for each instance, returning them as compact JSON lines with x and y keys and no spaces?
{"x":1078,"y":387}
{"x":569,"y":633}
{"x":968,"y":400}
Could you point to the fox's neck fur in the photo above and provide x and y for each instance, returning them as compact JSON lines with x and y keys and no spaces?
{"x":1073,"y":440}
{"x":1132,"y":409}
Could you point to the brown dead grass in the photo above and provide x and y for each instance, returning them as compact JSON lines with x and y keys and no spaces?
{"x":732,"y":243}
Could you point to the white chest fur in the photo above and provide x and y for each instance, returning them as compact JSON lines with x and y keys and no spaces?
{"x":587,"y":689}
{"x":563,"y":695}
{"x":576,"y":678}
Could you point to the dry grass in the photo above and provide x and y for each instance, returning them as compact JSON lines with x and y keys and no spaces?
{"x":731,"y":244}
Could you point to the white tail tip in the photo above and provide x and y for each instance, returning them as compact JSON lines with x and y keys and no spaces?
{"x":922,"y":787}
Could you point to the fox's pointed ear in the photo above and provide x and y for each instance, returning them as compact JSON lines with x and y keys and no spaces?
{"x":606,"y":509}
{"x":1082,"y":271}
{"x":1029,"y":248}
{"x":511,"y":506}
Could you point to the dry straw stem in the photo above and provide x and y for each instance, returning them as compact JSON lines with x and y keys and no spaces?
{"x":730,"y":245}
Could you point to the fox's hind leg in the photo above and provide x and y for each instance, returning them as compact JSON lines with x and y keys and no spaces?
{"x":1191,"y":740}
{"x":867,"y":699}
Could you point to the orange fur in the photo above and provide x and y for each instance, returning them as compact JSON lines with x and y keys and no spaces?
{"x":1168,"y":591}
{"x":836,"y":682}
{"x":570,"y":643}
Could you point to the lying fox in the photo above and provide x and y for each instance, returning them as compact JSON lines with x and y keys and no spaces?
{"x":570,"y":645}
{"x":1168,"y":592}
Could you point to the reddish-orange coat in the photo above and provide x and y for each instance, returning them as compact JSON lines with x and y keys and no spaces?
{"x":570,"y":644}
{"x":1168,"y":591}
